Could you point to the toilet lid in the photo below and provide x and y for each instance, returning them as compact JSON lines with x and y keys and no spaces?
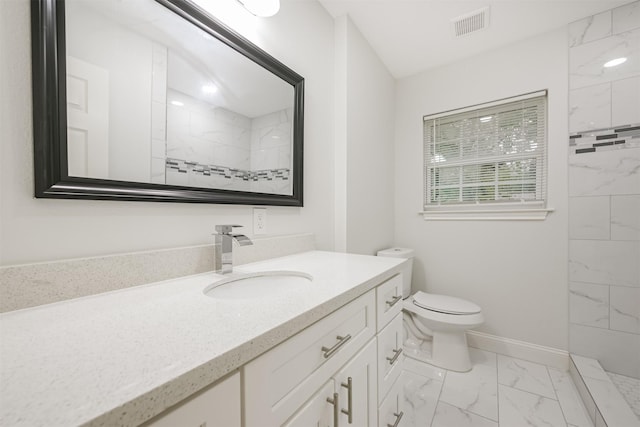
{"x":445,"y":304}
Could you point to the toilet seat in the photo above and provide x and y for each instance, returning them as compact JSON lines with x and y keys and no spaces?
{"x":445,"y":304}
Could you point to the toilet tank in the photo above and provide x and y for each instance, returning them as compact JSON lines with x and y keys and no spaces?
{"x":406,"y":273}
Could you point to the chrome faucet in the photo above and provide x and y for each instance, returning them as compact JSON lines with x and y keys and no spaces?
{"x":224,"y":239}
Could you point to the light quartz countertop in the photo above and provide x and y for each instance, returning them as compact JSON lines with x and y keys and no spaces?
{"x":123,"y":357}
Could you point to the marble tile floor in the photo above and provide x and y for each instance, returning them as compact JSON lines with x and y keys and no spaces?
{"x":630,"y":390}
{"x":499,"y":391}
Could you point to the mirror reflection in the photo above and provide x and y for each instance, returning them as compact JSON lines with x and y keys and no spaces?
{"x":151,"y":98}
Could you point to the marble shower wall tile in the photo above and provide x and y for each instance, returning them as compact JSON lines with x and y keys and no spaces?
{"x":625,"y":217}
{"x":604,"y":262}
{"x":589,"y":304}
{"x":616,"y":351}
{"x":625,"y":101}
{"x":590,"y":108}
{"x":589,"y":218}
{"x":626,"y":18}
{"x":605,"y":173}
{"x":586,"y":61}
{"x":625,"y":309}
{"x":589,"y":29}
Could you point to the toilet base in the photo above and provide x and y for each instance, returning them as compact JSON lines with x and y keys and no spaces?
{"x":450,"y":351}
{"x":444,"y":349}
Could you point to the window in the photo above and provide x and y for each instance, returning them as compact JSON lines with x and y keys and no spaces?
{"x":487,"y":161}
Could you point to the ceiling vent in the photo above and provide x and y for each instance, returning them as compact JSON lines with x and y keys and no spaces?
{"x":471,"y":22}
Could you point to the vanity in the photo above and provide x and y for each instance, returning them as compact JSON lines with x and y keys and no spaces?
{"x":166,"y":354}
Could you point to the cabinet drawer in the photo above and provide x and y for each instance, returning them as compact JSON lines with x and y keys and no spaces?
{"x":389,"y":300}
{"x":281,"y":380}
{"x":391,"y":410}
{"x":390,"y":357}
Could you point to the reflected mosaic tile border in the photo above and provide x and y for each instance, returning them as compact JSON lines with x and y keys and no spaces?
{"x":615,"y":138}
{"x":185,"y":166}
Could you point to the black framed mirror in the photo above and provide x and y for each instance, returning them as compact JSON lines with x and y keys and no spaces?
{"x":154,"y":100}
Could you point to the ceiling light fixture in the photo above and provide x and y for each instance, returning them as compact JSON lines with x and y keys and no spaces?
{"x":261,"y":8}
{"x":177,"y":103}
{"x":615,"y":62}
{"x":486,"y":119}
{"x":209,"y":89}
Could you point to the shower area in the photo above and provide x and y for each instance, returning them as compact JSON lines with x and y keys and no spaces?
{"x":604,"y":213}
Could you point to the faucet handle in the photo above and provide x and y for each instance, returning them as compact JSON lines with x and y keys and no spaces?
{"x":225,"y":228}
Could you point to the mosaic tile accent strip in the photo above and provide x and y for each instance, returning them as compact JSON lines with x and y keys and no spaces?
{"x":630,"y":390}
{"x":616,"y":138}
{"x":185,"y":166}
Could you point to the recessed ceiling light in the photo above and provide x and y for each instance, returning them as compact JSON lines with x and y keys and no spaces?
{"x":209,"y":89}
{"x":615,"y":62}
{"x":177,"y":103}
{"x":486,"y":119}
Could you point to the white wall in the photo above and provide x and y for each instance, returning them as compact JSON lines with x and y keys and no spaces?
{"x":516,"y":271}
{"x":365,"y":115}
{"x":33,"y":230}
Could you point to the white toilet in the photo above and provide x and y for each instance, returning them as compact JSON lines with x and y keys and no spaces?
{"x":436,"y":325}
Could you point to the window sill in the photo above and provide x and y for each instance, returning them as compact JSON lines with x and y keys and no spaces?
{"x":538,"y":214}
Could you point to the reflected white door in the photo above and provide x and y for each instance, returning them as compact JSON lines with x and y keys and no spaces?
{"x":87,"y":119}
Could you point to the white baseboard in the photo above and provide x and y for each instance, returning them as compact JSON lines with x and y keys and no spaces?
{"x":522,"y":350}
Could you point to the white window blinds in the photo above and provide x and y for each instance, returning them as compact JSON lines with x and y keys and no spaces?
{"x":487,"y":156}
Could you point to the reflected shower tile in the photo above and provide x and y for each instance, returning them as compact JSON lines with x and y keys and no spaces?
{"x":605,"y":173}
{"x":475,"y":391}
{"x":570,"y":401}
{"x":625,"y":217}
{"x":524,"y":375}
{"x":604,"y":262}
{"x":590,"y":108}
{"x":626,"y":18}
{"x":625,"y":101}
{"x":588,"y":29}
{"x":586,"y":62}
{"x":589,"y":304}
{"x":519,"y":408}
{"x":450,"y":416}
{"x":625,"y":309}
{"x":589,"y":217}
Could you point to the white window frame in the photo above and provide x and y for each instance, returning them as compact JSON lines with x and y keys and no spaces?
{"x":513,"y":209}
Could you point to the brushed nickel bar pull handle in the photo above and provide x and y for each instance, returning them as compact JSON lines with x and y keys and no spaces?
{"x":399,"y":417}
{"x":335,"y":402}
{"x":349,"y":411}
{"x":394,"y":300}
{"x":328,"y":352}
{"x":393,"y":359}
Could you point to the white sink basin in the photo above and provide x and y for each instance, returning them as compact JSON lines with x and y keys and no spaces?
{"x":264,"y":284}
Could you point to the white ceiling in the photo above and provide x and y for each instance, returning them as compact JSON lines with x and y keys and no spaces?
{"x":411,"y":36}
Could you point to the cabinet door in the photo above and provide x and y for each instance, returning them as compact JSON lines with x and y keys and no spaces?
{"x":317,"y":412}
{"x":218,"y":406}
{"x":357,"y":389}
{"x":390,"y":357}
{"x":391,"y":411}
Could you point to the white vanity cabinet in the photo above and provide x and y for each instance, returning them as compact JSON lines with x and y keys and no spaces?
{"x":216,"y":406}
{"x":389,"y":352}
{"x":283,"y":384}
